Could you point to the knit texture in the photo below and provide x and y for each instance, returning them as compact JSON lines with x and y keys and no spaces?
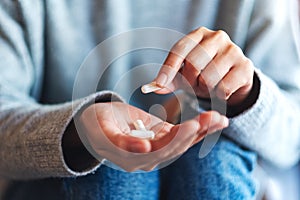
{"x":39,"y":150}
{"x":43,"y":44}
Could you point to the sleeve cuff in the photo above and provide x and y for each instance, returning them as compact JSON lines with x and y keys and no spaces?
{"x":47,"y":149}
{"x":263,"y":127}
{"x":251,"y":120}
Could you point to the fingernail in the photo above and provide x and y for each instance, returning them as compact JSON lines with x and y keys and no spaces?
{"x":162,"y":79}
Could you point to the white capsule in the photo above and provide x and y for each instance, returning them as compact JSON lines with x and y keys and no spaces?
{"x":141,"y":131}
{"x":150,"y":87}
{"x":142,"y":134}
{"x":139,"y":125}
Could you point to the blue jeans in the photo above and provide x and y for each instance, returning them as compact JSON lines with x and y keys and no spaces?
{"x":225,"y":173}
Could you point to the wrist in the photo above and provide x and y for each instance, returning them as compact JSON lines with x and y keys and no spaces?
{"x":234,"y":110}
{"x":76,"y":156}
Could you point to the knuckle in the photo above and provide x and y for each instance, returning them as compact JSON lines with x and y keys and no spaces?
{"x":234,"y":49}
{"x":221,"y":35}
{"x":191,"y":59}
{"x":248,"y":71}
{"x":201,"y":29}
{"x":183,"y":47}
{"x":206,"y":80}
{"x":223,"y":90}
{"x":248,"y":64}
{"x":227,"y":91}
{"x":181,"y":44}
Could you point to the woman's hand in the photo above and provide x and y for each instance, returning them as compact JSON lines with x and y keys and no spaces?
{"x":107,"y":126}
{"x":212,"y":65}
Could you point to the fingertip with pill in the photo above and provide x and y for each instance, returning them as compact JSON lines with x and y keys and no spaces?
{"x":150,"y":87}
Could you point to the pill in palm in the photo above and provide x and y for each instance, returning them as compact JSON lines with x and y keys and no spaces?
{"x":142,"y":134}
{"x":141,"y":131}
{"x":139,"y":125}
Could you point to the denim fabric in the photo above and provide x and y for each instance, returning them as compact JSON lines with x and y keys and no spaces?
{"x":106,"y":183}
{"x":225,"y":173}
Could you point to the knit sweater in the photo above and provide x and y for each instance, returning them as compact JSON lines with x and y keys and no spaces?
{"x":44,"y":43}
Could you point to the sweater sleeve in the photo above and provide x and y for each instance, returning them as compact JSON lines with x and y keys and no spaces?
{"x":31,"y":138}
{"x":271,"y":126}
{"x":31,"y":133}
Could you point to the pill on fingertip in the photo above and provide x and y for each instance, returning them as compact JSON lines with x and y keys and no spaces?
{"x":150,"y":87}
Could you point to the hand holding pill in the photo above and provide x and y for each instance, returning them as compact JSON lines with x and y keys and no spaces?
{"x":141,"y":131}
{"x":212,"y":65}
{"x":110,"y":129}
{"x":150,"y":87}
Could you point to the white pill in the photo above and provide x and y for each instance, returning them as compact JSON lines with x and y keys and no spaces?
{"x":139,"y":125}
{"x":141,"y":131}
{"x":142,"y":134}
{"x":150,"y":87}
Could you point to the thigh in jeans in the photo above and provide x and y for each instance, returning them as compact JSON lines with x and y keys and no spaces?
{"x":105,"y":183}
{"x":225,"y":173}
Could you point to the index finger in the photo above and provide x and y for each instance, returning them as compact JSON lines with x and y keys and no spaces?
{"x":177,"y":55}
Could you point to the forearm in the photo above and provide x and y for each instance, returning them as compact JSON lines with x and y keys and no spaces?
{"x":270,"y":126}
{"x":31,"y":140}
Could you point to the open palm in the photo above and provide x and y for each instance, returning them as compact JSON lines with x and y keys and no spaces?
{"x":107,"y":127}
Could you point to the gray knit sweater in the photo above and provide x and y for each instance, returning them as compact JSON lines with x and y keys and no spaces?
{"x":43,"y":43}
